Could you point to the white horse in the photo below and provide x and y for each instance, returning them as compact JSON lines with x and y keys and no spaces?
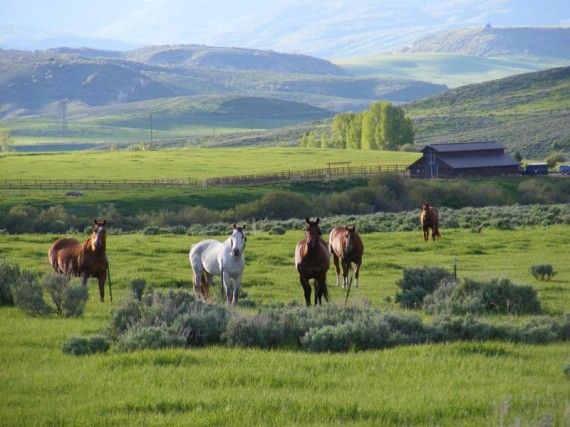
{"x":210,"y":258}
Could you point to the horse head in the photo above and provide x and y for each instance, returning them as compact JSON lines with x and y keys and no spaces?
{"x":427,"y":211}
{"x":349,"y":239}
{"x":237,"y":240}
{"x":98,"y":236}
{"x":312,"y":232}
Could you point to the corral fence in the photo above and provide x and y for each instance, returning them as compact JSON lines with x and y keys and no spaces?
{"x":78,"y":185}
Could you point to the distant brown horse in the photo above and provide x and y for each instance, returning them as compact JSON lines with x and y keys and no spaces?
{"x":312,"y":261}
{"x":345,"y":245}
{"x":429,"y":218}
{"x":70,"y":257}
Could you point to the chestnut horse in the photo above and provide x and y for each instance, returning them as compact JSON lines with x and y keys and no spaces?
{"x":345,"y":245}
{"x":312,"y":262}
{"x":429,"y":218}
{"x":70,"y":257}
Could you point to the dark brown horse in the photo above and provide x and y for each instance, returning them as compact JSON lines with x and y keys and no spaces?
{"x":312,"y":262}
{"x":429,"y":218}
{"x":346,"y":246}
{"x":70,"y":257}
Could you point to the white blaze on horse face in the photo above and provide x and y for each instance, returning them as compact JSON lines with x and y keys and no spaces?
{"x":99,"y":235}
{"x":237,"y":242}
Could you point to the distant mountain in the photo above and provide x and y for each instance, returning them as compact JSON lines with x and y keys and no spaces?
{"x":33,"y":81}
{"x":217,"y":57}
{"x":320,"y":28}
{"x":489,"y":41}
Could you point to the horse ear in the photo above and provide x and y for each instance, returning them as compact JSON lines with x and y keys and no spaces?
{"x":235,"y":226}
{"x":105,"y":221}
{"x":243,"y":226}
{"x":317,"y":221}
{"x":95,"y":222}
{"x":308,"y":220}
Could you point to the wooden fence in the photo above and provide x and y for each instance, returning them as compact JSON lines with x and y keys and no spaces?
{"x":123,"y":184}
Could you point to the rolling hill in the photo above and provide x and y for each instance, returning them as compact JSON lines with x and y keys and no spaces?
{"x":528,"y":113}
{"x":493,"y":42}
{"x":32,"y":81}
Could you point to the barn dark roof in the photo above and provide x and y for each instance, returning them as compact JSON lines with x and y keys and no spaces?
{"x":465,"y":146}
{"x":479,"y":161}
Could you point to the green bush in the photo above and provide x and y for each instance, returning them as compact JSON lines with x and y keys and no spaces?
{"x":149,"y":337}
{"x":9,"y":275}
{"x":74,"y":299}
{"x":259,"y":331}
{"x":417,"y":283}
{"x":28,"y":295}
{"x":69,"y":300}
{"x":474,"y":297}
{"x":173,"y":317}
{"x":137,"y":288}
{"x":543,"y":272}
{"x":77,"y":346}
{"x":81,"y":346}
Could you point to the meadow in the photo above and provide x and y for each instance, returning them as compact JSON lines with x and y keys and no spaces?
{"x":184,"y":163}
{"x":459,"y":384}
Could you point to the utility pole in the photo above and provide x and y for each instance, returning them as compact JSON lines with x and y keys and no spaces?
{"x":63,"y":115}
{"x":150,"y":128}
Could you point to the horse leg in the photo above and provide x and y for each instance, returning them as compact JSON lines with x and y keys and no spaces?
{"x":306,"y":288}
{"x":227,"y":287}
{"x":321,"y":288}
{"x":345,"y":268}
{"x":237,"y":283}
{"x":357,"y":272}
{"x":337,"y":268}
{"x":102,"y":279}
{"x":426,"y":234}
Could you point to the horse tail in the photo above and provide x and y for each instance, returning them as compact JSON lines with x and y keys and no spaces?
{"x":325,"y":292}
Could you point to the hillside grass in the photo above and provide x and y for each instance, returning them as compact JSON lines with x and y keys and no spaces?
{"x":459,"y":384}
{"x":453,"y":70}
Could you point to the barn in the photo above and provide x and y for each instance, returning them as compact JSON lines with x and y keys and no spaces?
{"x":456,"y":160}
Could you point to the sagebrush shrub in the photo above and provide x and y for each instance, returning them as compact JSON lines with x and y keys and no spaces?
{"x":543,"y":272}
{"x":77,"y":346}
{"x":28,"y":295}
{"x":173,"y":318}
{"x":9,"y":274}
{"x":137,"y":288}
{"x":470,"y":296}
{"x":417,"y":283}
{"x":74,"y":299}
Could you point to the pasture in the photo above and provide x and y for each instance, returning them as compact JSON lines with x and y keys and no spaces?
{"x":460,"y":384}
{"x":191,"y":163}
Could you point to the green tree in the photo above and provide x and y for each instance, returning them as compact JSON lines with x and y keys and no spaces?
{"x":354,"y":137}
{"x":396,"y":129}
{"x":368,"y":134}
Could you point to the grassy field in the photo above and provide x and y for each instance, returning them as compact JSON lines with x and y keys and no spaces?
{"x":461,"y":384}
{"x":190,"y":163}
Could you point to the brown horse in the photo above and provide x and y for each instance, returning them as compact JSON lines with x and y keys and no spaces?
{"x":312,"y":262}
{"x":345,"y":245}
{"x":70,"y":257}
{"x":429,"y":218}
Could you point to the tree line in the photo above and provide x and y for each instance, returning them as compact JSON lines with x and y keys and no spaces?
{"x":382,"y":126}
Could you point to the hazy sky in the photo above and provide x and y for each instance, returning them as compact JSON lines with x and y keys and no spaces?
{"x":284,"y":25}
